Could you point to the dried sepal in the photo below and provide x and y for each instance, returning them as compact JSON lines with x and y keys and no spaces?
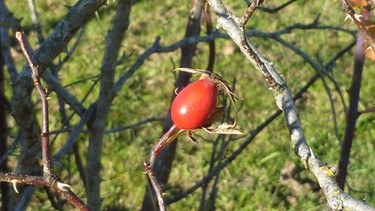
{"x":216,"y":115}
{"x":204,"y":73}
{"x":191,"y":137}
{"x":224,"y":128}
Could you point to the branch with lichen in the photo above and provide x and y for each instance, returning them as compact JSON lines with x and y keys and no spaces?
{"x":337,"y":199}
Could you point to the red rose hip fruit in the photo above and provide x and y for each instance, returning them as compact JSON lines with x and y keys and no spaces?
{"x":194,"y":104}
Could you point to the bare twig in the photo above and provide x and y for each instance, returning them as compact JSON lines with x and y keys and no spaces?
{"x":155,"y":186}
{"x":276,"y":9}
{"x":35,"y":19}
{"x":249,"y":12}
{"x":368,"y":110}
{"x":352,"y":113}
{"x":48,"y":178}
{"x":321,"y":71}
{"x":209,"y":30}
{"x":74,"y":134}
{"x":157,"y":48}
{"x":43,"y":96}
{"x":122,"y":128}
{"x":6,"y":20}
{"x":21,"y":103}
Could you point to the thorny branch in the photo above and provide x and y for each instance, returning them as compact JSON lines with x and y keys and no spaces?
{"x":337,"y":199}
{"x":43,"y":97}
{"x":357,"y":19}
{"x":49,"y":178}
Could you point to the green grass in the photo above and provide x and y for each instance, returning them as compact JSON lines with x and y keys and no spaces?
{"x":251,"y":182}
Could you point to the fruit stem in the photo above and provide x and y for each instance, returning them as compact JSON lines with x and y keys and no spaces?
{"x":163,"y":141}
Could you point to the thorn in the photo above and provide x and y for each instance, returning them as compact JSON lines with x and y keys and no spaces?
{"x":63,"y":186}
{"x":14,"y":182}
{"x":312,"y":154}
{"x":347,"y":17}
{"x":356,"y":16}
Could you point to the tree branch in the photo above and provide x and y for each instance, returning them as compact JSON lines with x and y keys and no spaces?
{"x":49,"y":178}
{"x":336,"y":198}
{"x":352,"y":113}
{"x":96,"y":126}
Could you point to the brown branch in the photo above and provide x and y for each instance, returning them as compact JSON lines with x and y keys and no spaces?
{"x":209,"y":30}
{"x":368,"y":110}
{"x":21,"y":102}
{"x":352,"y":113}
{"x":155,"y":185}
{"x":49,"y":178}
{"x":43,"y":97}
{"x":357,"y":19}
{"x":276,"y":9}
{"x":53,"y":182}
{"x":249,"y":12}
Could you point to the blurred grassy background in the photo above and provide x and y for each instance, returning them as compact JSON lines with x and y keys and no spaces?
{"x":252,"y":181}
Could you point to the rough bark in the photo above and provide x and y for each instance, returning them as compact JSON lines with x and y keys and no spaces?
{"x":3,"y":134}
{"x":96,"y":125}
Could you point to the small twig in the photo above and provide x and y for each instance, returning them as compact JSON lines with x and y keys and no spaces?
{"x":9,"y":150}
{"x":74,"y":134}
{"x":47,"y":168}
{"x":35,"y":19}
{"x":352,"y":113}
{"x":155,"y":185}
{"x":209,"y":30}
{"x":276,"y":9}
{"x":7,"y":17}
{"x":249,"y":12}
{"x":368,"y":110}
{"x":137,"y":124}
{"x":48,"y":178}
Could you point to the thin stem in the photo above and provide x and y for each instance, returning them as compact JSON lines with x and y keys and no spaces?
{"x":43,"y":96}
{"x":156,"y":186}
{"x":352,"y":113}
{"x":49,"y":178}
{"x":249,"y":12}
